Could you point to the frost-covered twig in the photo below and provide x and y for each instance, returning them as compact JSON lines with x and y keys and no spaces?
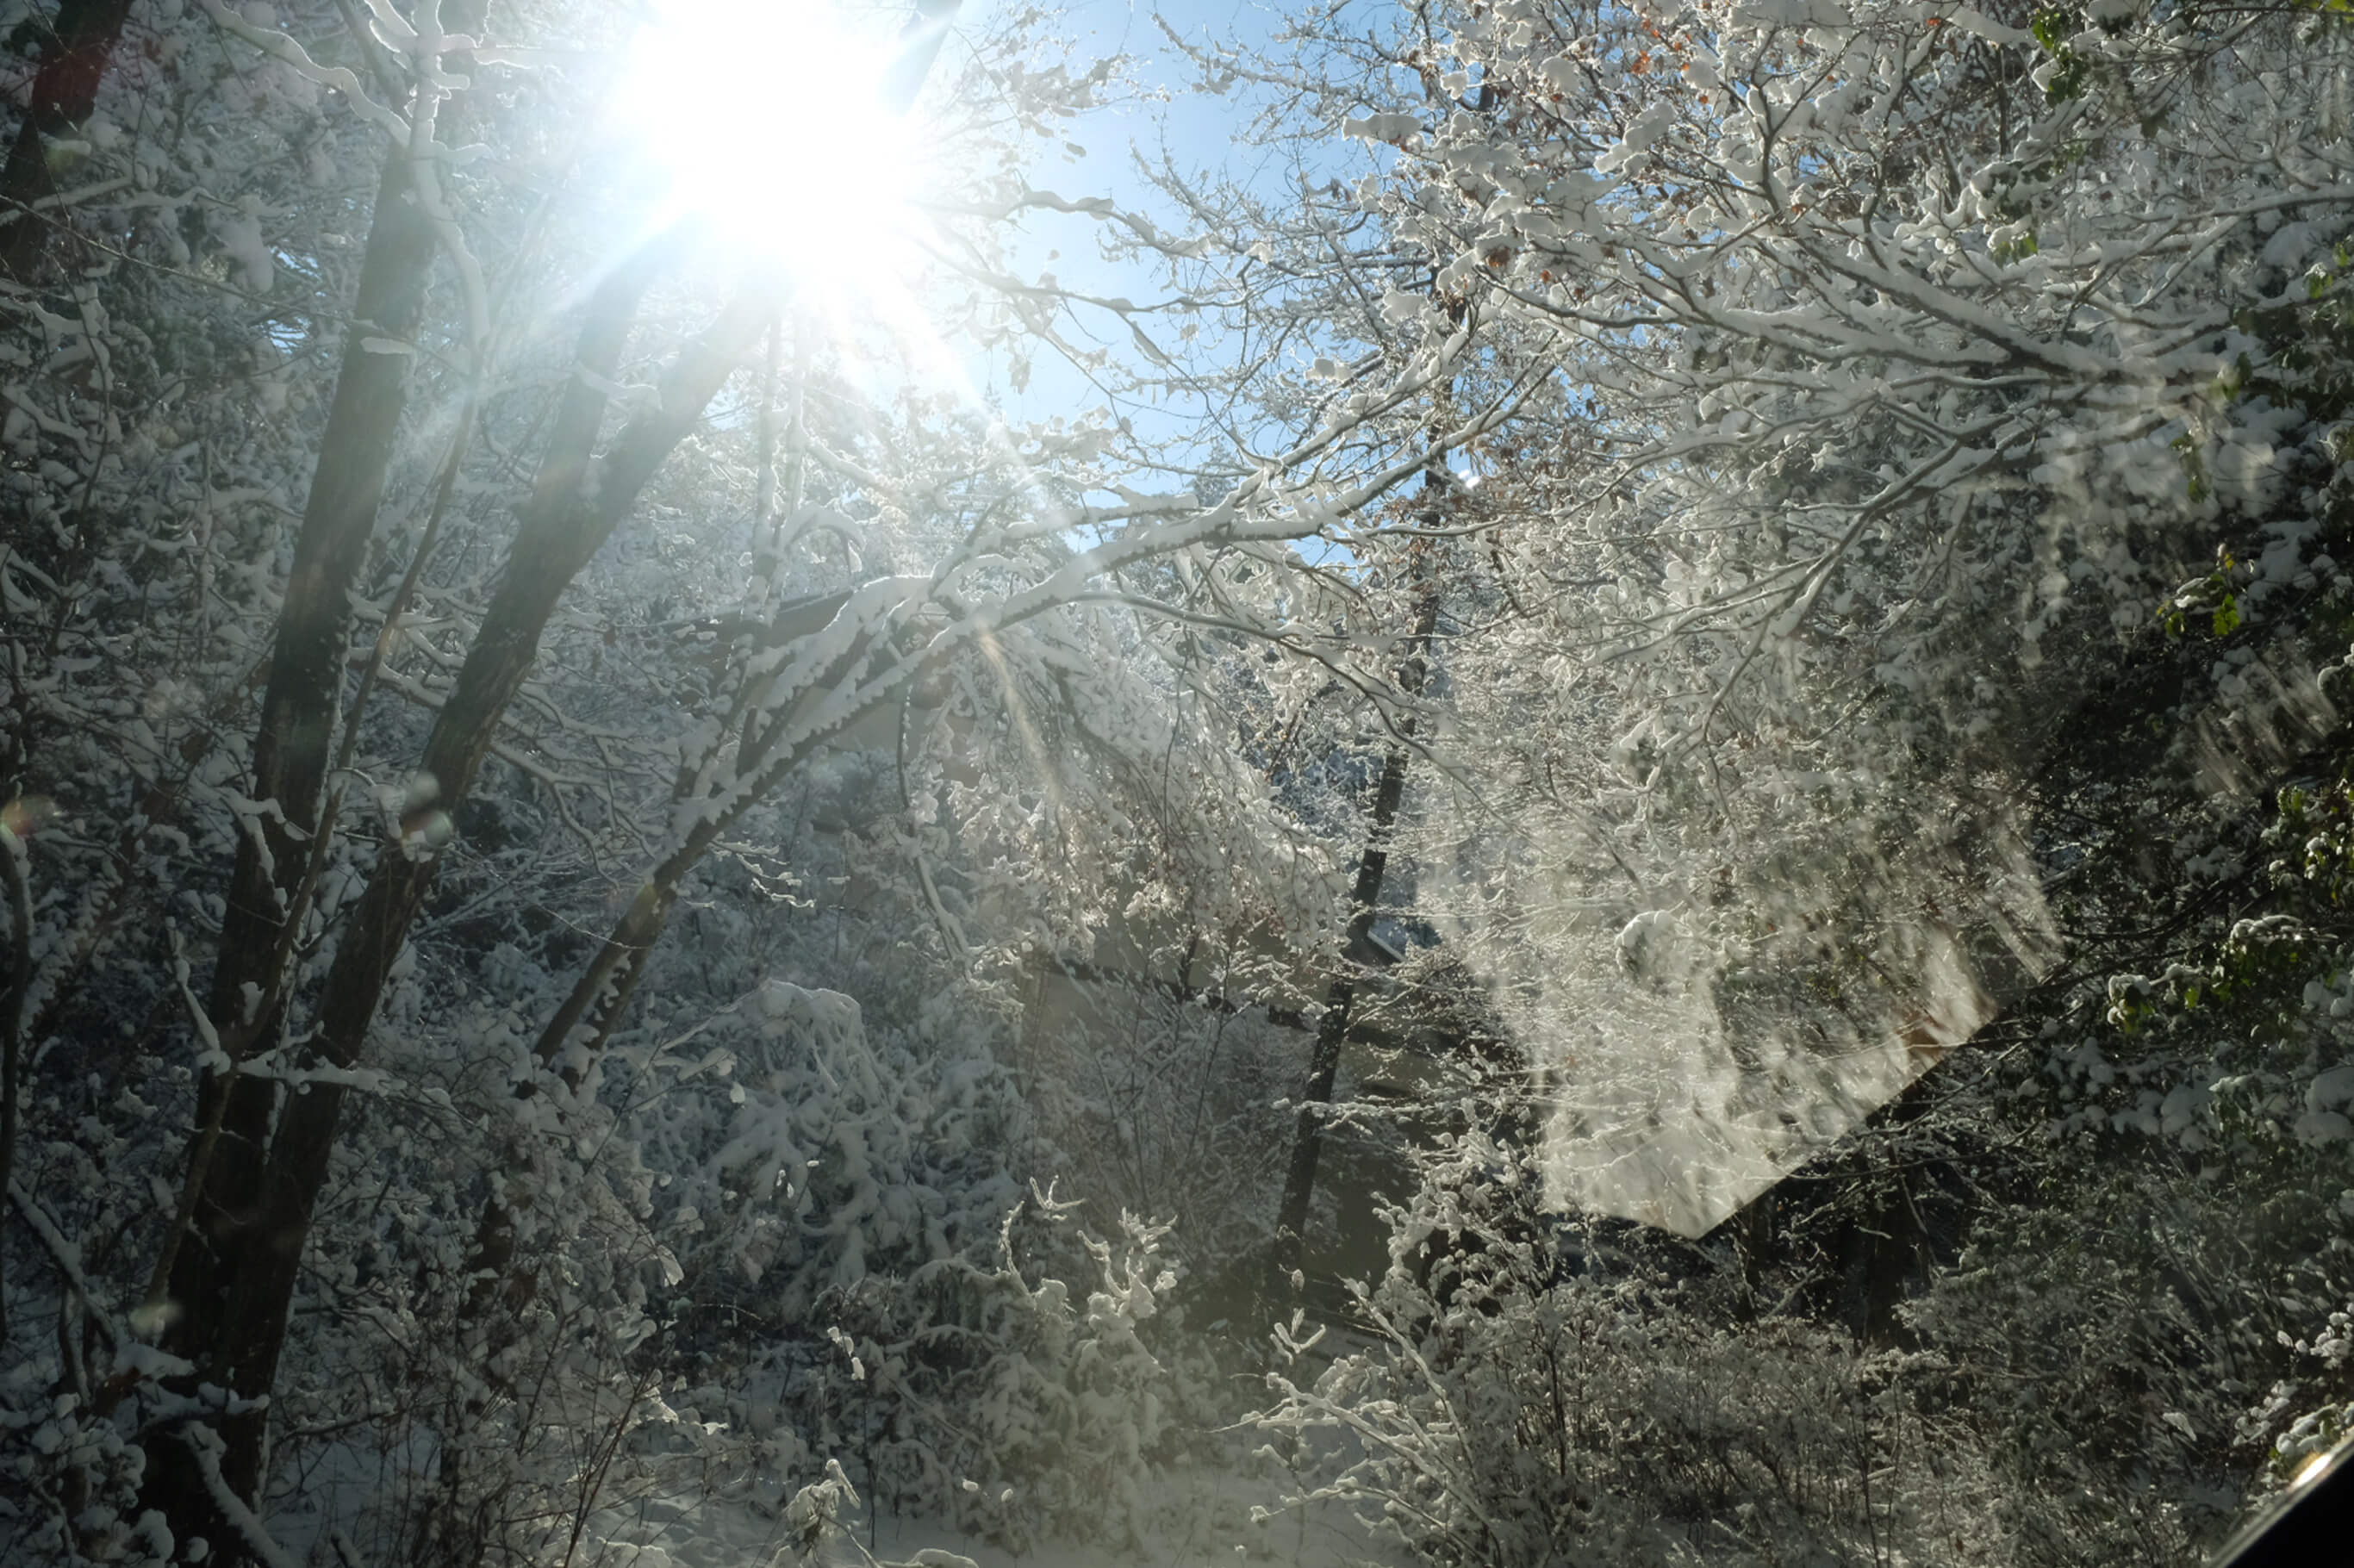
{"x":16,"y":883}
{"x":67,"y":1257}
{"x":433,"y":85}
{"x":204,"y":1447}
{"x":282,"y":47}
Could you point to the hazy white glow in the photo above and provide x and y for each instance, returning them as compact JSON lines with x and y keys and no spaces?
{"x":769,"y":120}
{"x":766,"y":118}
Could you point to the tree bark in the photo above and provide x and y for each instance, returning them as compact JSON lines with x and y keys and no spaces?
{"x":1357,"y":954}
{"x":576,"y":506}
{"x":299,"y":709}
{"x":300,"y":705}
{"x":15,"y":883}
{"x":75,"y":55}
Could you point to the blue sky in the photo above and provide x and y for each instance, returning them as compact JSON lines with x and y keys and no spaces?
{"x":1127,"y":26}
{"x":1198,"y":131}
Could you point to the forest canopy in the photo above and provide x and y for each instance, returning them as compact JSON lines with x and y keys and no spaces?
{"x":1548,"y":782}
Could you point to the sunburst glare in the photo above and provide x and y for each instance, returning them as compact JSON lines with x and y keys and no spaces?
{"x":783,"y":125}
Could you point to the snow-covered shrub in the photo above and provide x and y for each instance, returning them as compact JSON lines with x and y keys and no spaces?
{"x":70,"y":1475}
{"x":497,"y":1352}
{"x":801,"y":1151}
{"x":2104,"y":1400}
{"x":1031,"y":1394}
{"x":1165,"y":1106}
{"x":864,"y":1282}
{"x":2117,"y":1376}
{"x":1529,"y":1399}
{"x":1026,"y":1391}
{"x":2312,"y":1410}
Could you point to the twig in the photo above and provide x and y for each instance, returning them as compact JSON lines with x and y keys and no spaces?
{"x":12,"y":1014}
{"x":62,"y":1254}
{"x":204,"y":1445}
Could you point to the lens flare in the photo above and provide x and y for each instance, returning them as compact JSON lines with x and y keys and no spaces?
{"x":774,"y":123}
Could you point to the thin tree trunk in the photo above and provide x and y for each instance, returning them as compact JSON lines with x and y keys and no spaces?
{"x":1357,"y":954}
{"x":577,"y":1033}
{"x":580,"y":1025}
{"x":299,"y":712}
{"x":576,"y":506}
{"x":75,"y":54}
{"x":15,"y":881}
{"x":293,"y":740}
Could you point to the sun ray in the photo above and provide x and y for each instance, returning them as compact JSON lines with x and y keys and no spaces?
{"x":787,"y":132}
{"x":783,"y":126}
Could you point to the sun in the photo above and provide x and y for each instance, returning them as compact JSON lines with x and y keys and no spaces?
{"x":783,"y":125}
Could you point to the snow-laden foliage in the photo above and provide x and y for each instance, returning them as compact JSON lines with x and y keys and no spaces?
{"x":1023,"y":1404}
{"x":1888,"y":367}
{"x":427,"y":622}
{"x":590,"y":835}
{"x":1530,"y":1394}
{"x":1900,"y":610}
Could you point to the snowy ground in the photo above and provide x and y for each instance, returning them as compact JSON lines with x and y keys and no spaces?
{"x":1206,"y":1523}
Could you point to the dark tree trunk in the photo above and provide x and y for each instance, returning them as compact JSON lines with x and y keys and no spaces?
{"x":1357,"y":954}
{"x":300,"y":710}
{"x":15,"y":881}
{"x":301,"y":706}
{"x":75,"y":53}
{"x":576,"y":506}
